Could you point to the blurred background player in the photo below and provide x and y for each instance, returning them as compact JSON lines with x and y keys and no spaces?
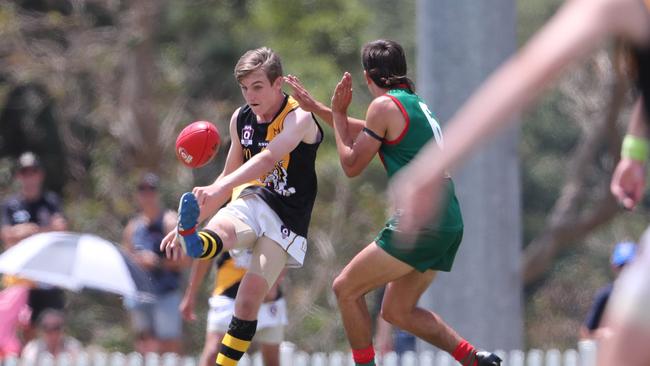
{"x":271,"y":320}
{"x":156,"y":321}
{"x":627,"y":313}
{"x":32,"y":210}
{"x":593,"y":326}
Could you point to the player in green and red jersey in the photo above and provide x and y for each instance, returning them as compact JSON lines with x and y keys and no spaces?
{"x":398,"y":124}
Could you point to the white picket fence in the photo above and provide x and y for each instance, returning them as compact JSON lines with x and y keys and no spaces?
{"x":585,"y":355}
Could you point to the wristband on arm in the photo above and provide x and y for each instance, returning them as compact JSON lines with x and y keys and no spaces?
{"x":635,"y":148}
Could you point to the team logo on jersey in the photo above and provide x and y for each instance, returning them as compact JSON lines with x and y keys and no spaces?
{"x":277,"y":180}
{"x":285,"y":231}
{"x":247,"y":135}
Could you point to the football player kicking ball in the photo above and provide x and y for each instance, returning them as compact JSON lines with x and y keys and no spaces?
{"x":398,"y":124}
{"x":270,"y":167}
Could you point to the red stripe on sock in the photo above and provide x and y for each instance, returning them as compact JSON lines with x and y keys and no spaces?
{"x":364,"y":355}
{"x":187,"y":232}
{"x":462,"y":350}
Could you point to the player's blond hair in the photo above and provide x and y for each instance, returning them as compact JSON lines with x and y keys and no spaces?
{"x":261,"y":58}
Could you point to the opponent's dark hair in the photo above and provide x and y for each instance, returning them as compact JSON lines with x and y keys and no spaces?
{"x":385,"y":62}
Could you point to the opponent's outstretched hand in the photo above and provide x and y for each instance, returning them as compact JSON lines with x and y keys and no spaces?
{"x":342,"y":94}
{"x":301,"y":95}
{"x":628,"y":182}
{"x":171,"y":246}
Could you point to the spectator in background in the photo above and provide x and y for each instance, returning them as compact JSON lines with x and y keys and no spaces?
{"x":623,"y":254}
{"x":32,"y":210}
{"x":157,"y":322}
{"x":51,"y":339}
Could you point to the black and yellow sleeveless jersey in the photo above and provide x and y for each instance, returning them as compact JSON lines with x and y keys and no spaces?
{"x":290,"y":188}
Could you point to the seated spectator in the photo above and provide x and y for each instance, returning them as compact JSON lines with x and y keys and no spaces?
{"x":51,"y":339}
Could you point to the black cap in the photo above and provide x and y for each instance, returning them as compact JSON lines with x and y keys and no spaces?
{"x":149,"y":180}
{"x":28,"y":160}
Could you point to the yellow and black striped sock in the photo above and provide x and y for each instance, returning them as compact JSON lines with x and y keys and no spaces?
{"x":212,"y":244}
{"x":236,"y":341}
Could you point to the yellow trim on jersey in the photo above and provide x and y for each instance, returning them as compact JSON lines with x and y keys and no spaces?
{"x":276,"y":126}
{"x":237,"y":190}
{"x":236,"y":343}
{"x":224,"y":360}
{"x":228,"y":274}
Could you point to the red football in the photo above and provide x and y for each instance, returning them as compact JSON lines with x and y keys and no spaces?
{"x":197,"y":144}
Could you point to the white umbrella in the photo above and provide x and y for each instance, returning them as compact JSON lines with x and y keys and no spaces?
{"x":74,"y":261}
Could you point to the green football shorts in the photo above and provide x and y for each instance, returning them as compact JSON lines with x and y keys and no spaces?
{"x":434,"y":250}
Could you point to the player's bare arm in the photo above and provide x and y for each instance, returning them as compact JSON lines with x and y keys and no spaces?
{"x":628,"y":180}
{"x":309,"y":104}
{"x":513,"y":87}
{"x":234,"y":161}
{"x":197,"y":274}
{"x":523,"y":77}
{"x":357,"y":150}
{"x":297,"y":127}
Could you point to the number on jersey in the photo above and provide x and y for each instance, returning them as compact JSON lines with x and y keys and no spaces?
{"x":435,"y":127}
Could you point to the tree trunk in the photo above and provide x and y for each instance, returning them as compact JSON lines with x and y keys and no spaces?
{"x":139,"y":122}
{"x":574,"y":215}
